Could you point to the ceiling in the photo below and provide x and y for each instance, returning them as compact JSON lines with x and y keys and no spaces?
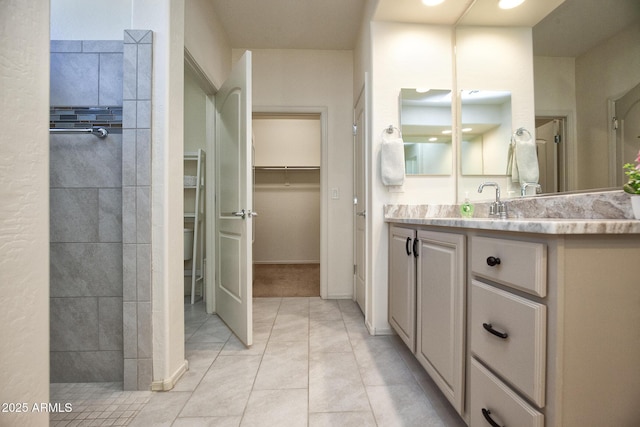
{"x":577,"y":25}
{"x":291,"y":24}
{"x":573,"y":27}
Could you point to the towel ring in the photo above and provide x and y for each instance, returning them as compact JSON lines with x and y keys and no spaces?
{"x":389,"y":130}
{"x":522,"y":131}
{"x":518,"y":133}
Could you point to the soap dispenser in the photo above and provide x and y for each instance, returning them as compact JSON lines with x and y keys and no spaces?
{"x":466,"y":209}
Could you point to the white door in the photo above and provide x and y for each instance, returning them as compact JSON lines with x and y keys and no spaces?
{"x":549,"y":146}
{"x":234,"y":275}
{"x":360,"y":205}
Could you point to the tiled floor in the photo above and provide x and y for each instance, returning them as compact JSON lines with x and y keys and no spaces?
{"x":313,"y":363}
{"x":95,"y":404}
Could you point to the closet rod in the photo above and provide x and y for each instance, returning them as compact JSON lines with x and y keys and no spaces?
{"x":280,"y":168}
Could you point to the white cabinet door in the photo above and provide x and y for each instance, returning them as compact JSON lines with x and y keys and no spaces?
{"x":402,"y":284}
{"x":440,"y":311}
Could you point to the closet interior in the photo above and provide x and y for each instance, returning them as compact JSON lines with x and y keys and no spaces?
{"x":286,"y":248}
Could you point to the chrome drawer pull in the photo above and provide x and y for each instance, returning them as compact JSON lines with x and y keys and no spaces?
{"x":487,"y":416}
{"x":489,"y":328}
{"x":493,"y":261}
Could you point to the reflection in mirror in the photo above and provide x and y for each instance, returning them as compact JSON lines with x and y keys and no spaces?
{"x":486,"y":131}
{"x":425,"y":122}
{"x":585,"y":65}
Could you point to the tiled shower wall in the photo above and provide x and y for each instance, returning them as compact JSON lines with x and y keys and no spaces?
{"x":85,"y":216}
{"x":136,"y":209}
{"x":101,"y":216}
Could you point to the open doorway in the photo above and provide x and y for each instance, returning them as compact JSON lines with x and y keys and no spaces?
{"x":286,"y":248}
{"x":551,"y":140}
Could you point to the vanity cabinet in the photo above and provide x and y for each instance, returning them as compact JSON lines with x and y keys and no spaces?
{"x":547,"y":324}
{"x":402,"y":283}
{"x":426,"y":303}
{"x":508,"y":331}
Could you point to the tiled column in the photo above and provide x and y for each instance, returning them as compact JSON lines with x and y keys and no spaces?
{"x":136,"y":209}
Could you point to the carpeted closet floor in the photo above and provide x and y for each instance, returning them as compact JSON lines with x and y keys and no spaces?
{"x":286,"y":280}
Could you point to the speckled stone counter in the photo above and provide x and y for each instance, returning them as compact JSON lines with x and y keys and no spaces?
{"x":607,"y":212}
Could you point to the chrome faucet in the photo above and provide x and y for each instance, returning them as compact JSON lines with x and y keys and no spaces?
{"x":525,"y":185}
{"x":497,"y":208}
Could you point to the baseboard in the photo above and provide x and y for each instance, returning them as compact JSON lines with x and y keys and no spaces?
{"x":379,"y":331}
{"x":287,"y":262}
{"x":169,"y":383}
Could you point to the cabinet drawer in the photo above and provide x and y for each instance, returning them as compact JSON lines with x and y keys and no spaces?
{"x":491,"y":398}
{"x":522,"y":265}
{"x":508,"y":333}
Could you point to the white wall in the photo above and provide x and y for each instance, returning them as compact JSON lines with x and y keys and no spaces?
{"x":409,"y":55}
{"x":24,"y":211}
{"x":603,"y":73}
{"x":206,"y":41}
{"x":195,"y":107}
{"x":316,"y":79}
{"x":491,"y":58}
{"x":555,"y":94}
{"x":287,"y":229}
{"x":166,"y":19}
{"x":90,"y":20}
{"x":403,"y":56}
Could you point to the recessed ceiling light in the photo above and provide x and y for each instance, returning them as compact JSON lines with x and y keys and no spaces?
{"x":422,"y":90}
{"x":467,"y":129}
{"x":509,"y":4}
{"x":433,"y":139}
{"x":431,"y":2}
{"x":446,"y":132}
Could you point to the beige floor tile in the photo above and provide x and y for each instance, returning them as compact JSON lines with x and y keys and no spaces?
{"x":342,"y":419}
{"x":290,"y":327}
{"x":207,"y":422}
{"x":284,"y":365}
{"x":277,"y":408}
{"x":225,"y":388}
{"x":335,"y":384}
{"x":162,"y":409}
{"x":403,"y":405}
{"x":328,"y":336}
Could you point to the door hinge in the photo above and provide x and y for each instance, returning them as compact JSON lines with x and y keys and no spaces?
{"x":614,"y":122}
{"x":355,"y":269}
{"x":355,"y":129}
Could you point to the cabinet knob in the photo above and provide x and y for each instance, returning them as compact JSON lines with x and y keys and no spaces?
{"x":487,"y":416}
{"x":493,"y":261}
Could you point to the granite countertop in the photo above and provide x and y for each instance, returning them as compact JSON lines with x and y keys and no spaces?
{"x":592,"y":213}
{"x":532,"y":225}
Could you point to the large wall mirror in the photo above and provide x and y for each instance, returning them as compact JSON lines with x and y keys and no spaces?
{"x":486,"y":131}
{"x":425,"y":122}
{"x":585,"y":60}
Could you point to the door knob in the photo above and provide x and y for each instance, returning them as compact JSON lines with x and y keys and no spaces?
{"x":245,"y":213}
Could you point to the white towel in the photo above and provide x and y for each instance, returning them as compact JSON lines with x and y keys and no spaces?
{"x":392,"y":161}
{"x":523,"y":160}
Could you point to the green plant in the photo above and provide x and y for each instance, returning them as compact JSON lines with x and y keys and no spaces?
{"x":633,"y":172}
